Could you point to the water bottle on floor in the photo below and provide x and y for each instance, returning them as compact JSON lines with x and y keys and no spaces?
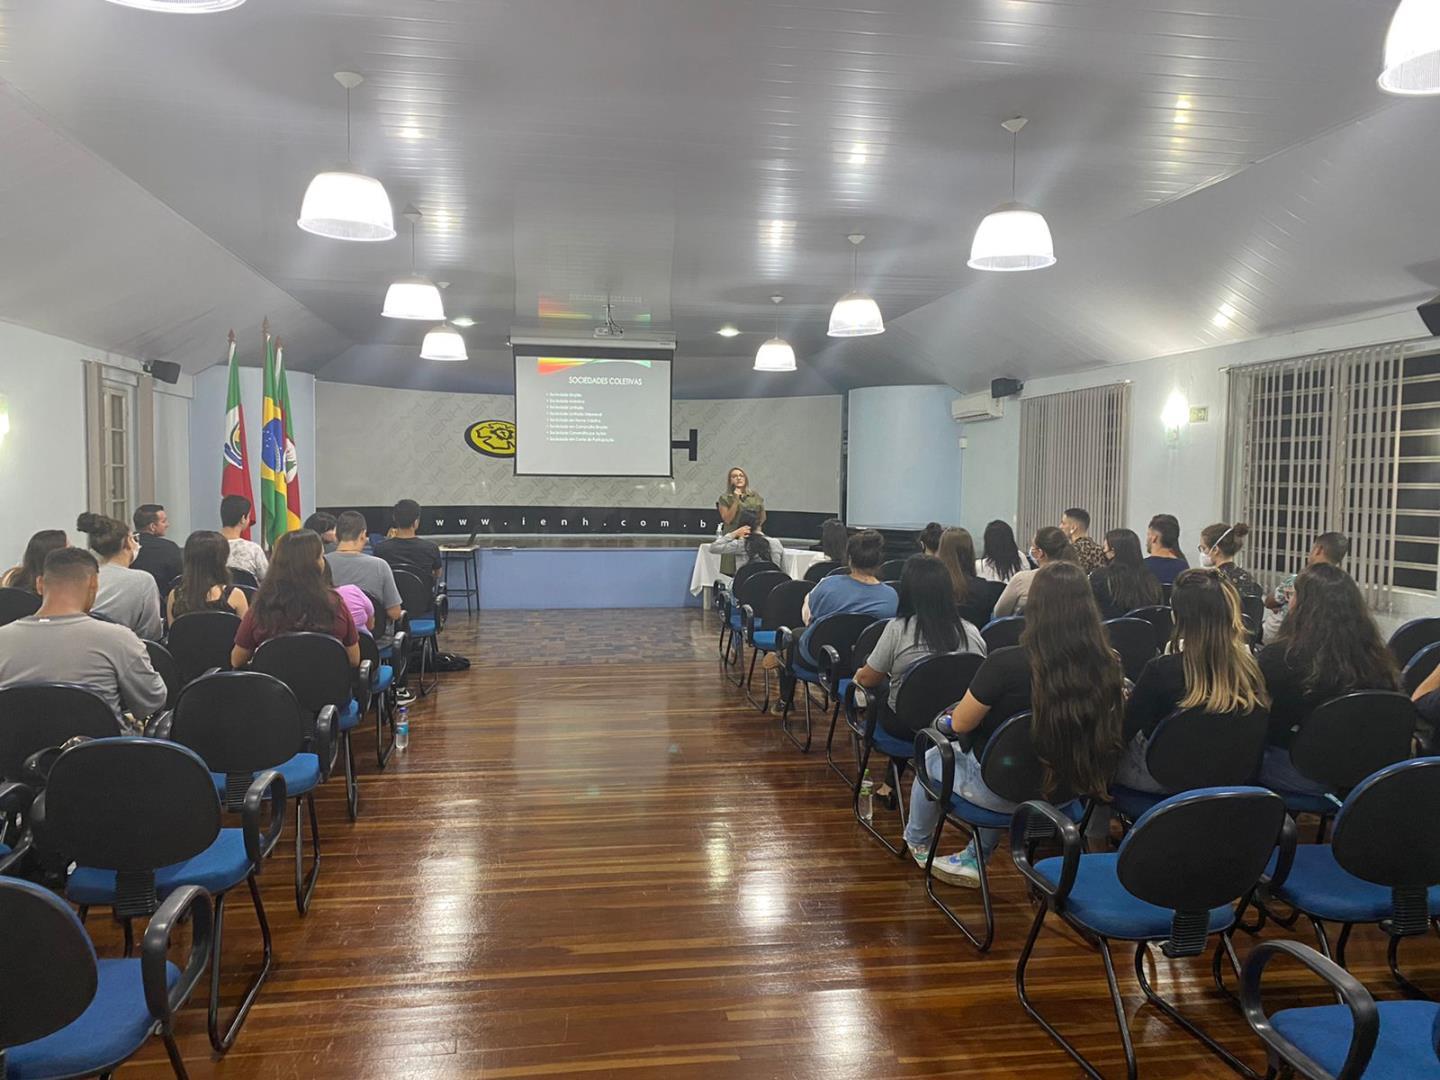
{"x":867,"y":797}
{"x":402,"y":727}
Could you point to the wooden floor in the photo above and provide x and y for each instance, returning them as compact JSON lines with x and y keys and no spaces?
{"x":596,"y":860}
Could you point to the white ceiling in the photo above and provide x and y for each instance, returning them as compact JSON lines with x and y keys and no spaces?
{"x":1227,"y":152}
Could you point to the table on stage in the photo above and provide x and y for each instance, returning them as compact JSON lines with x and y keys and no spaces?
{"x":707,"y":566}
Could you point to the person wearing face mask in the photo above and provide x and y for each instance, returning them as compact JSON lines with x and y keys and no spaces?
{"x":1049,"y":546}
{"x":125,"y":596}
{"x":1219,"y":544}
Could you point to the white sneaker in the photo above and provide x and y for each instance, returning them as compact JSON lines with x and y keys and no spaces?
{"x":958,"y":869}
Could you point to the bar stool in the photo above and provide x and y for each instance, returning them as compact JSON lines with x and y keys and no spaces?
{"x":466,"y":557}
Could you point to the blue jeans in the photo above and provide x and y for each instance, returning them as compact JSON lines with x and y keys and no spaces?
{"x":1278,"y":774}
{"x":925,"y":813}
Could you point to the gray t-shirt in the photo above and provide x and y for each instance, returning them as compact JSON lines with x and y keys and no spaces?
{"x":900,"y":648}
{"x":248,"y":555}
{"x":130,"y":598}
{"x":100,"y":656}
{"x":736,"y":547}
{"x":372,"y":575}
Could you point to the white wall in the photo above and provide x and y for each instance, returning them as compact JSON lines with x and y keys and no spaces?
{"x":903,"y":457}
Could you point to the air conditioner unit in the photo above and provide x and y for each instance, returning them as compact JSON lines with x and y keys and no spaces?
{"x":964,"y":410}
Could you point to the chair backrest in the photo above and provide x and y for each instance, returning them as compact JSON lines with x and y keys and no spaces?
{"x":756,"y":587}
{"x":17,"y":604}
{"x":51,"y":974}
{"x":1194,"y":749}
{"x":754,"y":566}
{"x":1347,"y":738}
{"x":164,"y":664}
{"x":314,"y":666}
{"x":840,"y":631}
{"x":239,"y":722}
{"x":891,"y":569}
{"x":1166,"y":588}
{"x":1420,"y":667}
{"x":931,"y":686}
{"x":417,"y":597}
{"x":782,"y":606}
{"x":979,"y":606}
{"x":1012,"y":769}
{"x":1002,"y":633}
{"x":1413,"y":636}
{"x":821,"y":568}
{"x":866,"y":642}
{"x":1201,"y":849}
{"x":841,"y":569}
{"x":201,"y":640}
{"x":244,"y":578}
{"x":37,"y":716}
{"x":1134,"y":640}
{"x":382,"y":627}
{"x":1161,"y":618}
{"x":1388,"y":831}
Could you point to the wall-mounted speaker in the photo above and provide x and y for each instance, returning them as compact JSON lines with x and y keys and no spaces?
{"x":1430,"y":313}
{"x":1003,"y":388}
{"x":166,"y":371}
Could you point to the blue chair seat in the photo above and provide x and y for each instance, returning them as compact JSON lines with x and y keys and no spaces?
{"x":894,"y":747}
{"x":1320,"y":886}
{"x":1404,"y":1050}
{"x":422,"y":627}
{"x":301,"y":773}
{"x":221,"y":866}
{"x":350,"y":716}
{"x":115,"y":1025}
{"x":1132,"y":802}
{"x":1299,"y":803}
{"x":764,"y":640}
{"x":384,"y":679}
{"x":4,"y":850}
{"x":974,"y":814}
{"x":805,"y":674}
{"x":1100,"y":903}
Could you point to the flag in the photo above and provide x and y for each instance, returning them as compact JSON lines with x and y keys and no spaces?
{"x":292,"y":459}
{"x":235,"y":473}
{"x":275,"y":512}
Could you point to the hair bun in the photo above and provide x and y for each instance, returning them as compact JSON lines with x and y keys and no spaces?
{"x":1240,"y":530}
{"x":88,"y":522}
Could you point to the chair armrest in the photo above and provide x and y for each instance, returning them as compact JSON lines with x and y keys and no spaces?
{"x":160,"y":724}
{"x":925,"y":738}
{"x":164,"y":1000}
{"x":747,"y":622}
{"x":786,"y":641}
{"x":399,"y":654}
{"x":15,"y":800}
{"x":259,"y":844}
{"x":363,"y":674}
{"x":36,"y":769}
{"x":1069,"y":842}
{"x":829,"y":668}
{"x":1285,"y":855}
{"x":326,"y":745}
{"x":1352,"y":994}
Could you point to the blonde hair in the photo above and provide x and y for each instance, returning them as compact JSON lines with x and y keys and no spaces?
{"x":1221,"y":675}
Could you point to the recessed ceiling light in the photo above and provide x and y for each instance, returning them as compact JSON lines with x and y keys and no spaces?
{"x":777,"y":233}
{"x":728,"y":331}
{"x":859,"y":154}
{"x":463,"y":321}
{"x":181,"y":7}
{"x":1223,"y":314}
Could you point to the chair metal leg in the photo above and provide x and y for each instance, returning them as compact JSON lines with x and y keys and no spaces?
{"x":1142,"y":950}
{"x":177,"y":1063}
{"x":129,"y":928}
{"x":384,"y":718}
{"x":981,"y":943}
{"x":1392,"y":960}
{"x":1341,"y":942}
{"x":427,"y":652}
{"x":750,"y":681}
{"x":305,"y":882}
{"x":222,"y":1041}
{"x":897,"y":772}
{"x":1225,"y":948}
{"x":830,"y":745}
{"x":785,"y":719}
{"x":352,"y":784}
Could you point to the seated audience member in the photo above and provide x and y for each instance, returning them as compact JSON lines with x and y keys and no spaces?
{"x":323,"y":526}
{"x":1327,"y":646}
{"x":237,"y":515}
{"x":356,"y":602}
{"x":128,"y":597}
{"x":349,"y":565}
{"x":1329,"y":548}
{"x":61,"y":643}
{"x":1219,"y":544}
{"x":205,"y":580}
{"x":926,"y":624}
{"x":295,"y":599}
{"x":1162,"y":539}
{"x":1208,"y":666}
{"x":974,"y":597}
{"x":1002,"y":559}
{"x":833,"y":538}
{"x":1075,"y":524}
{"x":159,"y":557}
{"x":1124,"y":583}
{"x":403,"y":548}
{"x":32,"y":563}
{"x":1063,"y":671}
{"x":929,"y":538}
{"x":1049,"y":546}
{"x":747,"y":543}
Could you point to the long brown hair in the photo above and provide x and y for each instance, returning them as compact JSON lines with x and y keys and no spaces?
{"x":206,"y":554}
{"x":294,"y":597}
{"x":1075,"y":682}
{"x":32,"y":565}
{"x":1331,"y":638}
{"x":1220,"y":674}
{"x":957,"y":552}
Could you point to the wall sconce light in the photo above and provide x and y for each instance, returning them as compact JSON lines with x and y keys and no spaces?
{"x":1175,"y":416}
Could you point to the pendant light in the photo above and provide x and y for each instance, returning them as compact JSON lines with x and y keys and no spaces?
{"x":181,"y":7}
{"x":855,"y":314}
{"x":776,"y":354}
{"x":1012,"y":236}
{"x":413,"y":297}
{"x":344,"y":203}
{"x":1412,"y":50}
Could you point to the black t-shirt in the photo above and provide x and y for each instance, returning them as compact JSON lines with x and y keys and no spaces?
{"x":160,"y":558}
{"x":1290,"y":702}
{"x":412,"y":551}
{"x":1105,"y":597}
{"x":1158,"y":692}
{"x":1002,"y":683}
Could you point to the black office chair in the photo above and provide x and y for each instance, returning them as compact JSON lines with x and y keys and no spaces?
{"x":243,"y":723}
{"x":318,"y":672}
{"x":782,"y":606}
{"x":421,"y":625}
{"x":836,"y":675}
{"x":1192,"y":749}
{"x":1161,"y":618}
{"x":751,"y":593}
{"x":384,"y":682}
{"x":843,"y":569}
{"x":1252,"y":614}
{"x":165,"y":666}
{"x":17,"y":604}
{"x":244,"y":578}
{"x":822,"y":568}
{"x":141,"y":820}
{"x":1413,"y":636}
{"x":63,"y":1012}
{"x":41,"y":716}
{"x":1134,"y":641}
{"x":1421,"y":665}
{"x":840,"y":632}
{"x":891,"y":569}
{"x":201,"y":641}
{"x":1002,"y":633}
{"x":754,"y":566}
{"x":978,"y":608}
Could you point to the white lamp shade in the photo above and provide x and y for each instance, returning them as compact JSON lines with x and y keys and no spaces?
{"x":1012,"y":237}
{"x":443,"y":342}
{"x":347,"y":205}
{"x":1412,"y":49}
{"x":855,"y":315}
{"x":414,"y":298}
{"x":775,"y":355}
{"x":181,"y":7}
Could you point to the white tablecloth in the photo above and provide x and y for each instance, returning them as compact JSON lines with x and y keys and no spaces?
{"x":707,"y":566}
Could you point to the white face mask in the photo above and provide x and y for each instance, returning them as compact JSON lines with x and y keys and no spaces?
{"x":1207,"y":559}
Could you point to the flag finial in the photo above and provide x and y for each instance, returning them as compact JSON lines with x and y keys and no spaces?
{"x":265,"y":326}
{"x":232,"y":337}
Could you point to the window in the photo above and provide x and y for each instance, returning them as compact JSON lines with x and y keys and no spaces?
{"x":1073,"y":453}
{"x":114,"y":439}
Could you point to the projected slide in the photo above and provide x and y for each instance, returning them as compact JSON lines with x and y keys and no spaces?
{"x":591,"y":416}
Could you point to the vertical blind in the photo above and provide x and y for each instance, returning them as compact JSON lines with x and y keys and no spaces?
{"x":1314,"y":445}
{"x":1073,"y":453}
